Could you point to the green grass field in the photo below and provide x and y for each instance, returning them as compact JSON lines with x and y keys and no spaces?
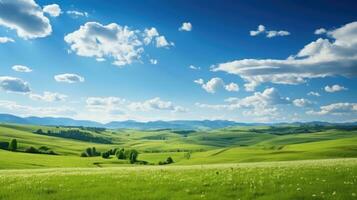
{"x":287,"y":162}
{"x":318,"y":179}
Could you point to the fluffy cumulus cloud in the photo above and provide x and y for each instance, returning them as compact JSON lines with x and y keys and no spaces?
{"x":216,"y":83}
{"x":259,"y":104}
{"x":6,"y":40}
{"x":76,"y":14}
{"x":150,"y":34}
{"x":96,"y":40}
{"x":53,"y":10}
{"x":334,"y":88}
{"x":269,"y":33}
{"x":119,"y":43}
{"x":302,"y":102}
{"x":336,"y":109}
{"x":68,"y":78}
{"x":48,"y":97}
{"x":321,"y":58}
{"x":13,"y":84}
{"x":16,"y":108}
{"x":25,"y":17}
{"x":320,"y":31}
{"x":186,"y":26}
{"x":155,"y":104}
{"x":21,"y":68}
{"x":312,"y":93}
{"x":232,"y":87}
{"x":162,"y":42}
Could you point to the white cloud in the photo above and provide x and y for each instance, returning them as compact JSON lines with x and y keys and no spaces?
{"x":316,"y":94}
{"x":336,"y":109}
{"x":153,"y":35}
{"x":320,"y":58}
{"x":199,"y":81}
{"x":334,"y":88}
{"x":302,"y":102}
{"x":212,"y":85}
{"x":48,"y":97}
{"x":153,"y":61}
{"x":21,"y":68}
{"x":232,"y":87}
{"x":69,"y":78}
{"x":150,"y":34}
{"x":26,"y":17}
{"x":269,"y":33}
{"x":261,"y":29}
{"x":75,"y":13}
{"x":155,"y":104}
{"x":215,"y":83}
{"x":320,"y":31}
{"x":111,"y":41}
{"x":186,"y":26}
{"x":259,"y":104}
{"x":16,"y":108}
{"x":53,"y":10}
{"x":117,"y":105}
{"x":13,"y":84}
{"x":120,"y":43}
{"x":162,"y":42}
{"x":6,"y":40}
{"x":104,"y":102}
{"x":114,"y":106}
{"x":194,"y":67}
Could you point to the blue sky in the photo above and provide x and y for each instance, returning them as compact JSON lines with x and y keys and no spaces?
{"x":248,"y":61}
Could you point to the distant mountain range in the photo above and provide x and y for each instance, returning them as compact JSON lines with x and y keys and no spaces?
{"x":130,"y":124}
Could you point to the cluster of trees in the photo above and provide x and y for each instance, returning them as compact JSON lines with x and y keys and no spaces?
{"x":119,"y":153}
{"x":123,"y":154}
{"x":13,"y":146}
{"x":169,"y":160}
{"x":90,"y":152}
{"x":75,"y":134}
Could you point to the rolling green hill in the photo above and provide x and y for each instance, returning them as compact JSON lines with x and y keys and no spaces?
{"x":318,"y":162}
{"x":227,"y":145}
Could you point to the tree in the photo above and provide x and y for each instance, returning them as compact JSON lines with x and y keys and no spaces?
{"x":133,"y":156}
{"x":187,"y":155}
{"x":39,"y":131}
{"x":13,"y":145}
{"x":89,"y":152}
{"x":169,"y":160}
{"x":120,"y":154}
{"x":105,"y":155}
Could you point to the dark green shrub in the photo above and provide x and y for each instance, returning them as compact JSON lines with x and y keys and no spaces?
{"x":89,"y":152}
{"x":32,"y":150}
{"x":169,"y":160}
{"x":13,"y":145}
{"x":120,"y":154}
{"x":4,"y":145}
{"x":83,"y":154}
{"x":105,"y":155}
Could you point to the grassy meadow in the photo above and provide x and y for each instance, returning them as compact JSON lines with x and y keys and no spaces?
{"x":260,"y":162}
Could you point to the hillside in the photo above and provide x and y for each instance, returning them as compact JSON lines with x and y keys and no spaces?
{"x":227,"y":145}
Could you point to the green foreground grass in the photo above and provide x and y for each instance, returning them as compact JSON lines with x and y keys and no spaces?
{"x":314,"y":179}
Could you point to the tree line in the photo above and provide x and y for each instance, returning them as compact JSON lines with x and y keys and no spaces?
{"x":13,"y":146}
